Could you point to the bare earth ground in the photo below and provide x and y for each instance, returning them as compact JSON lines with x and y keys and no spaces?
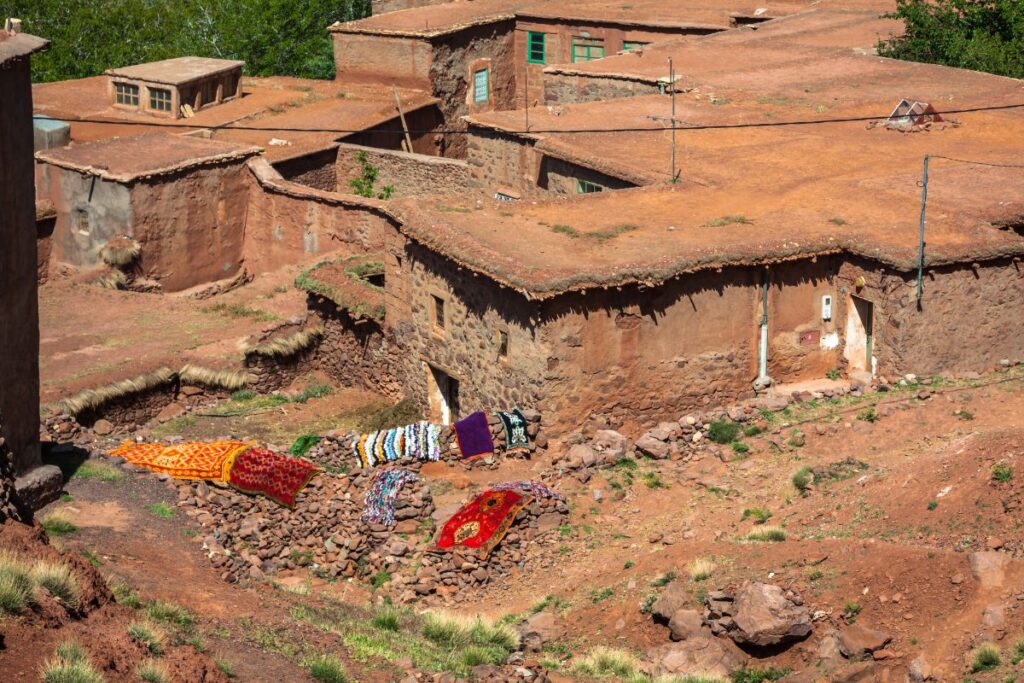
{"x":892,"y":537}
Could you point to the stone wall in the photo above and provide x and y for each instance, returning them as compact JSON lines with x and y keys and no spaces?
{"x":476,"y":310}
{"x":969,"y":318}
{"x":19,"y":312}
{"x":409,"y":174}
{"x":561,"y":88}
{"x":316,"y":169}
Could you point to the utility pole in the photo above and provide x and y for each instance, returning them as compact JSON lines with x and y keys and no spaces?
{"x":924,"y":208}
{"x":672,"y":86}
{"x":526,"y":95}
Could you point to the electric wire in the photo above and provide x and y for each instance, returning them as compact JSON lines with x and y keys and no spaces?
{"x":530,"y":131}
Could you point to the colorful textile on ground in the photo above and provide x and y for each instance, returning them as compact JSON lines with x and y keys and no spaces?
{"x":278,"y":477}
{"x":483,"y":522}
{"x":187,"y":460}
{"x":516,"y":439}
{"x":535,"y":488}
{"x":303,"y":444}
{"x":419,"y":441}
{"x":380,"y":497}
{"x":473,"y":435}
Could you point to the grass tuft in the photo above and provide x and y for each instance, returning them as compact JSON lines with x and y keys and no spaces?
{"x":58,"y":524}
{"x":98,"y":470}
{"x":701,"y":569}
{"x":161,"y":510}
{"x":151,"y":637}
{"x":986,"y":658}
{"x":388,"y":619}
{"x":733,"y":219}
{"x":603,"y":661}
{"x":1002,"y":472}
{"x":802,"y":478}
{"x":57,"y":670}
{"x":766,"y":534}
{"x":723,"y":431}
{"x":71,"y":651}
{"x":168,"y":613}
{"x":327,"y":669}
{"x":16,"y":584}
{"x":153,"y":671}
{"x":58,"y":580}
{"x":664,"y":579}
{"x":759,"y":515}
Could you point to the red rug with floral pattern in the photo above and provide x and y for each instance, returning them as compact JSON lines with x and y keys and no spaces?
{"x":483,"y":522}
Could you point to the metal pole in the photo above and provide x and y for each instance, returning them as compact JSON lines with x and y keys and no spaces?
{"x":924,"y":207}
{"x":526,"y":93}
{"x":672,"y":86}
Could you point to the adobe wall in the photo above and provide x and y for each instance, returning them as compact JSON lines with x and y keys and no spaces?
{"x":19,"y":312}
{"x":497,"y":160}
{"x":645,"y":355}
{"x":191,"y":225}
{"x":455,"y":58}
{"x":409,"y":174}
{"x":801,"y":344}
{"x":384,"y":59}
{"x":571,"y":88}
{"x":558,"y":48}
{"x":560,"y":177}
{"x":316,"y":169}
{"x":970,"y":317}
{"x":475,"y":310}
{"x":90,"y":211}
{"x":382,"y":6}
{"x":290,"y":223}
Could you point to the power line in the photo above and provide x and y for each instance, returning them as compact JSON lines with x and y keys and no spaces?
{"x":566,"y":131}
{"x":976,"y":162}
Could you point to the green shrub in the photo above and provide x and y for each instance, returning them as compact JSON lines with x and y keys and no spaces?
{"x":388,"y":619}
{"x":723,"y":431}
{"x":851,"y":610}
{"x":740,"y":448}
{"x":327,"y":669}
{"x":758,"y":675}
{"x":986,"y":658}
{"x":752,"y":430}
{"x":380,"y":578}
{"x":868,"y":415}
{"x":161,"y":510}
{"x":303,"y":444}
{"x":1002,"y":472}
{"x":57,"y":524}
{"x":932,"y":504}
{"x":664,"y":579}
{"x":802,"y":478}
{"x":759,"y":515}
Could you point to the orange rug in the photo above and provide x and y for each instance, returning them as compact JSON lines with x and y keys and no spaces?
{"x":189,"y":460}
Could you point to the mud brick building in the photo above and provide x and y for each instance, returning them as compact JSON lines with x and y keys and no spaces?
{"x":172,"y":87}
{"x":19,"y":308}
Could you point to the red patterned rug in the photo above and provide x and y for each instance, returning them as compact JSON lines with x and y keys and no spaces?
{"x":278,"y":477}
{"x":483,"y":522}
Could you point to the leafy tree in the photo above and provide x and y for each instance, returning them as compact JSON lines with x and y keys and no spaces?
{"x":273,"y":37}
{"x":983,"y":35}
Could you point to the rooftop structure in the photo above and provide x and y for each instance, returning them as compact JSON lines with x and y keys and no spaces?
{"x":175,"y":88}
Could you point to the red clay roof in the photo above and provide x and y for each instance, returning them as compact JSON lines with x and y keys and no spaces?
{"x":125,"y":160}
{"x":14,"y":45}
{"x":177,"y":71}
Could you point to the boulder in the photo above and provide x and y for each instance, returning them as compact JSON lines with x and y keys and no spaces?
{"x":671,"y":600}
{"x":611,"y":442}
{"x":582,"y":455}
{"x":653,"y":448}
{"x":39,"y":487}
{"x":702,"y":655}
{"x":989,"y":567}
{"x":759,"y":614}
{"x":102,"y":427}
{"x":920,"y":670}
{"x":538,"y":629}
{"x":857,"y":641}
{"x":685,"y":623}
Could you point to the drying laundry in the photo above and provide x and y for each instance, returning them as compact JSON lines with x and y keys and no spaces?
{"x":473,"y":435}
{"x":419,"y":441}
{"x":211,"y":461}
{"x":516,"y":439}
{"x":278,"y":477}
{"x":379,"y":503}
{"x":483,"y":522}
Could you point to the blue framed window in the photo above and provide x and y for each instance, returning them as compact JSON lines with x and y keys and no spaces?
{"x":535,"y":53}
{"x":587,"y":187}
{"x":480,"y":83}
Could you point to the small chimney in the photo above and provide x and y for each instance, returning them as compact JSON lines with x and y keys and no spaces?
{"x":12,"y":25}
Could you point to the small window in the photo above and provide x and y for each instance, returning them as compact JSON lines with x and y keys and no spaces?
{"x":587,"y":49}
{"x":438,"y":312}
{"x":125,"y":93}
{"x":503,"y":343}
{"x":505,"y":197}
{"x":630,"y":45}
{"x":535,"y":48}
{"x":587,"y":187}
{"x":480,"y":90}
{"x":159,"y":99}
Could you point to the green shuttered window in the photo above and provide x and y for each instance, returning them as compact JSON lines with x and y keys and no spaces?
{"x":535,"y":48}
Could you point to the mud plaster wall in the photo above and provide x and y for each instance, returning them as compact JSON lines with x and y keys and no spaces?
{"x":282,"y":229}
{"x":314,"y":170}
{"x":971,"y":319}
{"x":558,"y":39}
{"x":409,"y":174}
{"x":191,"y":225}
{"x":796,"y":330}
{"x":572,"y":89}
{"x":384,"y":59}
{"x":90,"y":211}
{"x":455,"y":56}
{"x":467,"y":348}
{"x":19,"y":313}
{"x":382,"y":6}
{"x":645,"y":355}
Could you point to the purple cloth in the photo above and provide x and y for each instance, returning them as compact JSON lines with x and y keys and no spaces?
{"x":474,"y":436}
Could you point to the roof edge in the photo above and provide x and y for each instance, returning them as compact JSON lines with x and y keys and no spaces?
{"x":18,"y":45}
{"x":208,"y":160}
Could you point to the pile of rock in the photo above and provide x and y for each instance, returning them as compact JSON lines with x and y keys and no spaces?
{"x":254,"y":537}
{"x":444,"y":575}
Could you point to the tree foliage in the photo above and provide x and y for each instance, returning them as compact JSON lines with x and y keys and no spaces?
{"x":983,"y":35}
{"x":273,"y":37}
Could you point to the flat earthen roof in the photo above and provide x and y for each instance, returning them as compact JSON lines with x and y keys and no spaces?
{"x":125,"y":160}
{"x":176,"y":71}
{"x":15,"y":45}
